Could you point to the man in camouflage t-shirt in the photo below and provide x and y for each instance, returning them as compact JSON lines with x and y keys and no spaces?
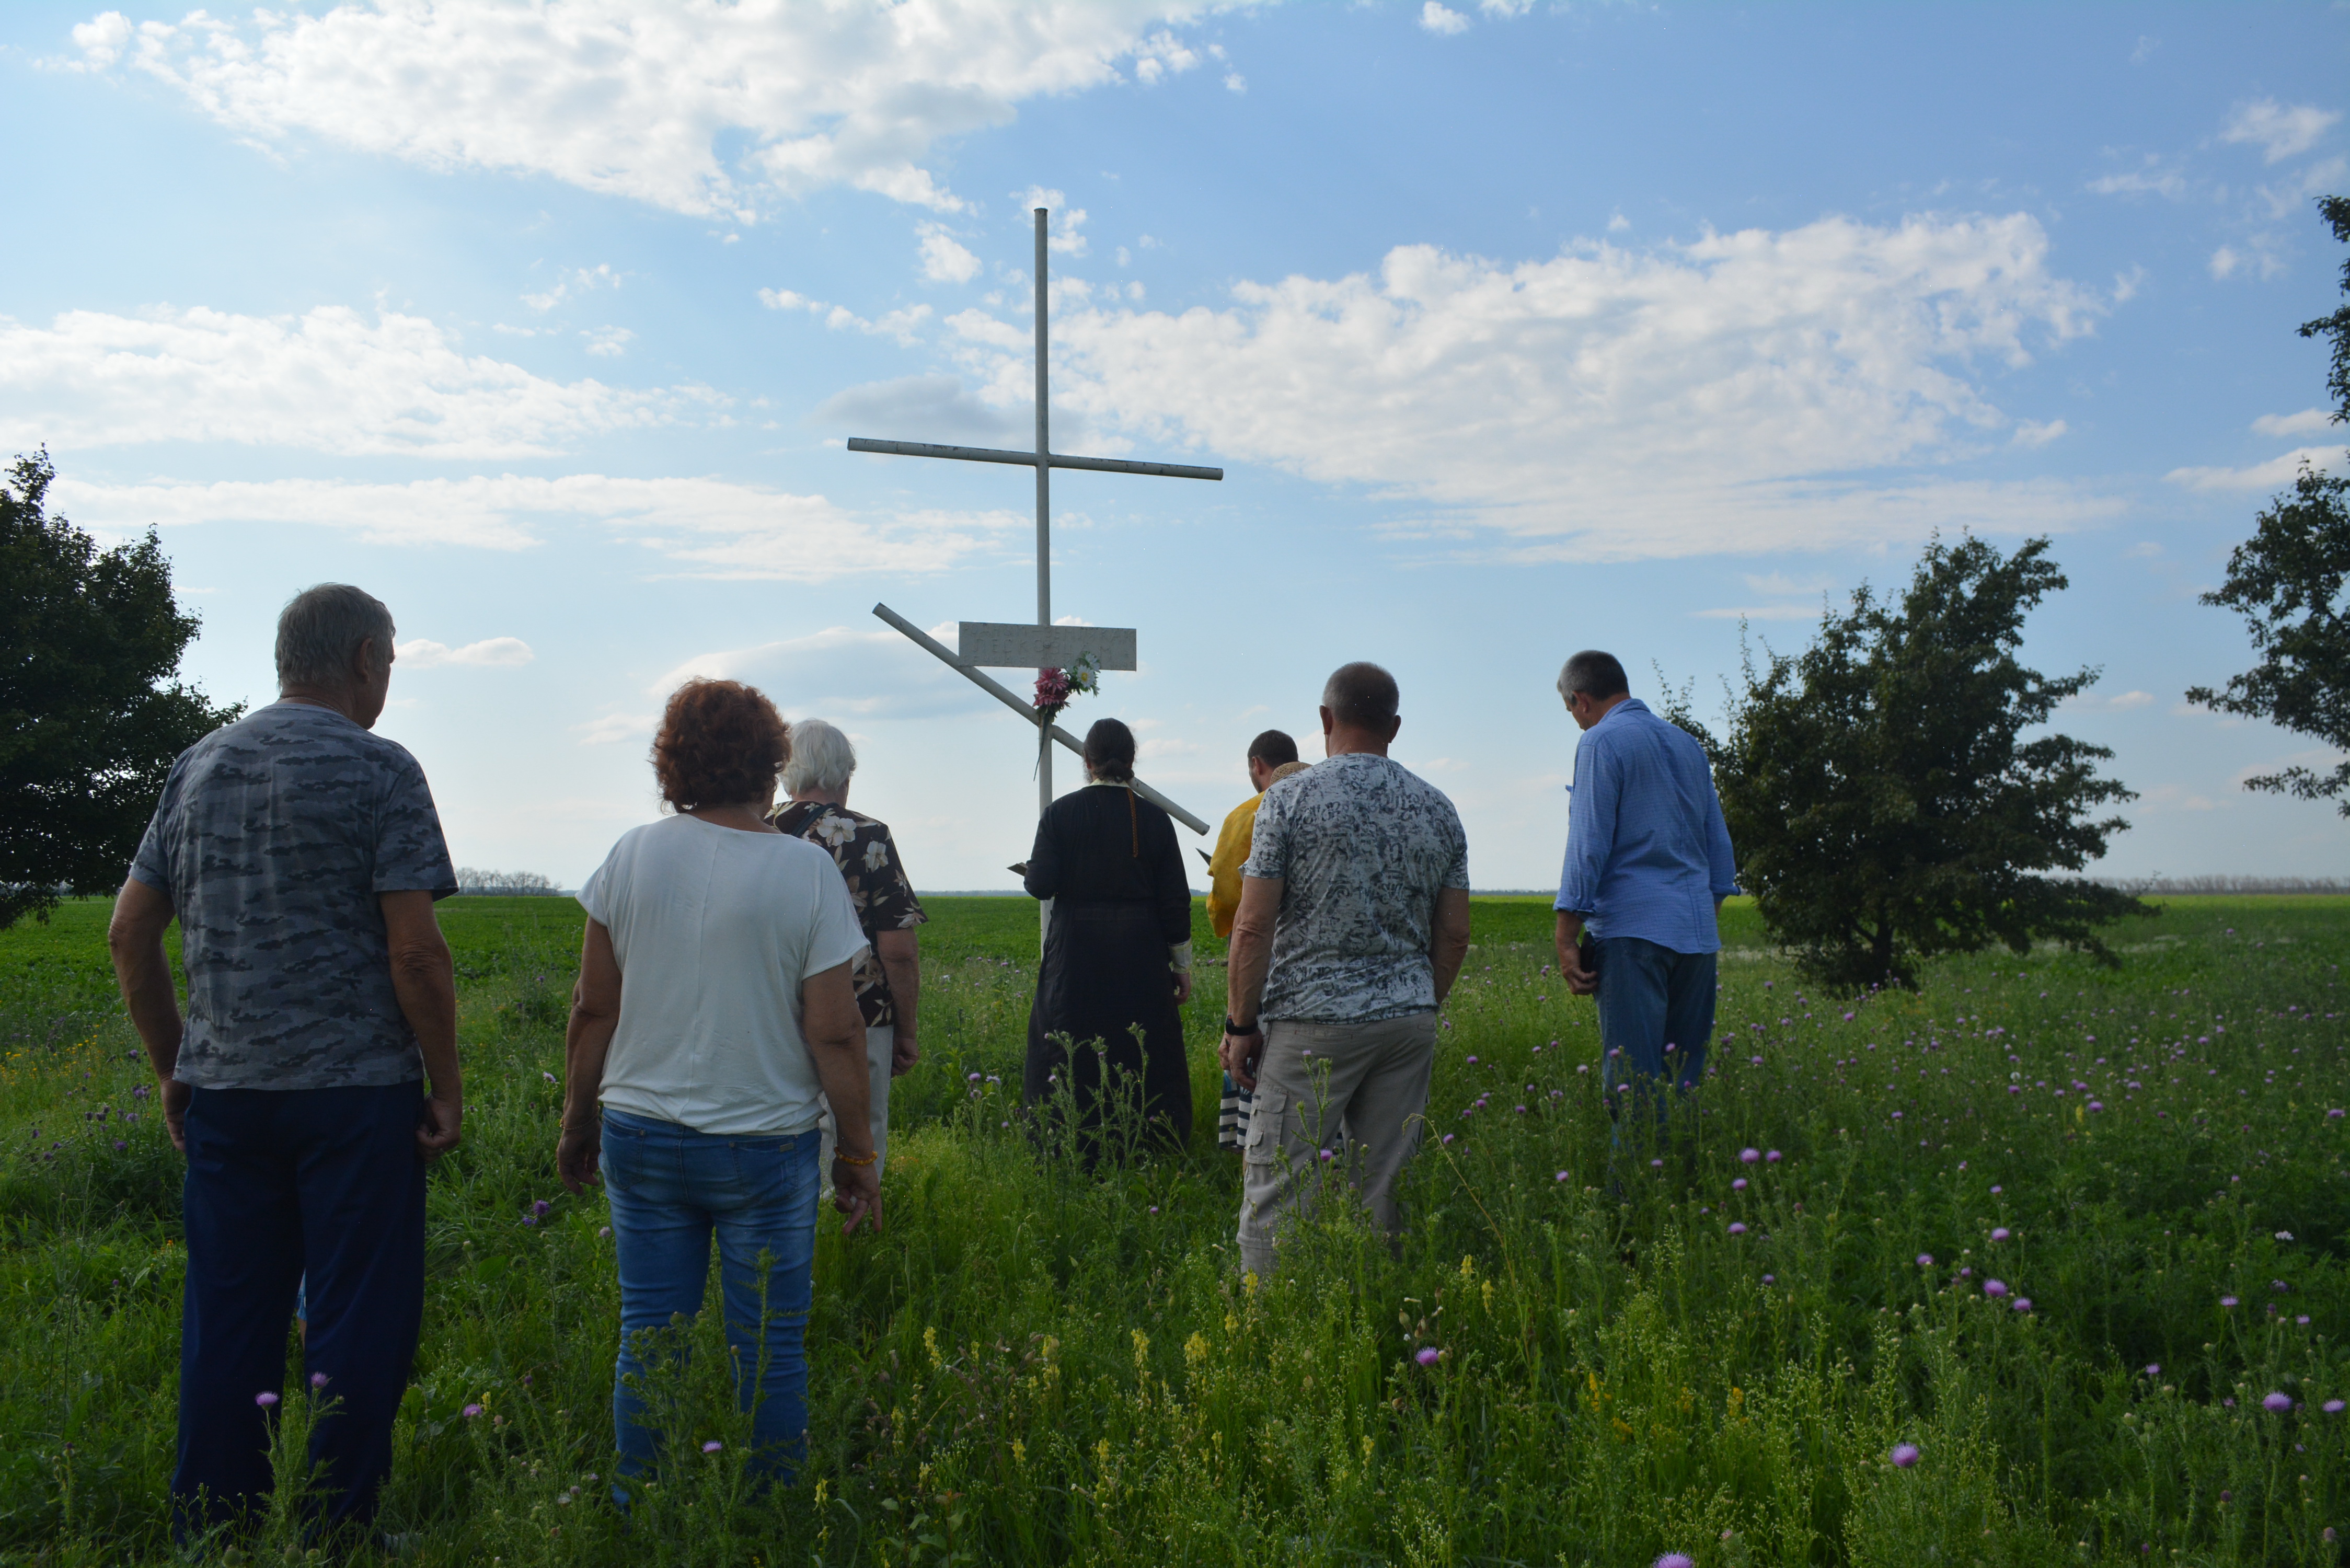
{"x":1353,"y":924}
{"x":301,"y":855}
{"x":888,"y":974}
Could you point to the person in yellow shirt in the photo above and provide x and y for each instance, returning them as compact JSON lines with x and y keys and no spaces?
{"x":1271,"y":755}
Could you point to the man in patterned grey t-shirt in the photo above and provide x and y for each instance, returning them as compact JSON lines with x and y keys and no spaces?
{"x":1353,"y":924}
{"x":301,"y":855}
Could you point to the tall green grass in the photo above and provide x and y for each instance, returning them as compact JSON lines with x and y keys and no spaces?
{"x":1033,"y":1365}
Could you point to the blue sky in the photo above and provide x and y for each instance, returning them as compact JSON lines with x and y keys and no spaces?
{"x":1517,"y":328}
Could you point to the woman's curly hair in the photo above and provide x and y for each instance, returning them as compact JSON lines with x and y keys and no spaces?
{"x":720,"y":743}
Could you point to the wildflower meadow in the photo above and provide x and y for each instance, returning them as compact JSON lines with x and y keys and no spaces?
{"x":2041,"y":1263}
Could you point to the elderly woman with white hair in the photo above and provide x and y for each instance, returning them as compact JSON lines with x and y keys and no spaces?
{"x":889,"y":976}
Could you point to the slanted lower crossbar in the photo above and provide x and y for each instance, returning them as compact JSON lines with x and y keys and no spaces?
{"x":1004,"y":695}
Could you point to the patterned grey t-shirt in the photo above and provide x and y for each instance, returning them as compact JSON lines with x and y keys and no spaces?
{"x":1362,"y":845}
{"x":272,"y":839}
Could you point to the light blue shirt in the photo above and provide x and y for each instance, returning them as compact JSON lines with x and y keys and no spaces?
{"x":1647,"y":851}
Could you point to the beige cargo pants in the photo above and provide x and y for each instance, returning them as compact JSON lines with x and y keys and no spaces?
{"x":1312,"y":1081}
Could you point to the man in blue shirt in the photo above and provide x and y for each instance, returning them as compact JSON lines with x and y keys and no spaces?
{"x":1648,"y":865}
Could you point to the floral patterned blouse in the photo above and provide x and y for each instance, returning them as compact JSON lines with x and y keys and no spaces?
{"x":885,"y":900}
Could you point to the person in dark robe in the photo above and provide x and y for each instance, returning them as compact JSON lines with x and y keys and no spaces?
{"x":1117,"y":955}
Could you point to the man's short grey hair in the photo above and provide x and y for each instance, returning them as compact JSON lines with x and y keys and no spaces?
{"x":321,"y":629}
{"x":822,"y":758}
{"x":1592,"y":673}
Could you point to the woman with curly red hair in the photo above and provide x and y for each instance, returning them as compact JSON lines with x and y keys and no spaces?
{"x":714,"y":1016}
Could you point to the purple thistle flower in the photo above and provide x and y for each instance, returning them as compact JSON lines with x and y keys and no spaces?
{"x":1738,"y":1185}
{"x":1905,"y":1454}
{"x":1925,"y":1259}
{"x":1427,"y":1356}
{"x":530,"y":1219}
{"x":540,"y":1207}
{"x":604,"y":1233}
{"x":1757,"y":1060}
{"x":264,"y":1399}
{"x":2332,"y":1406}
{"x":1994,"y":1288}
{"x":2227,"y":1301}
{"x":1749,"y":1156}
{"x":2279,"y":1403}
{"x":1999,"y":1233}
{"x":2023,"y":1303}
{"x":1680,"y":1559}
{"x":317,"y":1380}
{"x":1769,"y":1279}
{"x":470,"y":1411}
{"x":2153,"y":1369}
{"x":1562,"y":1175}
{"x":1736,"y":1229}
{"x":712,"y":1446}
{"x":1472,"y":1061}
{"x":1448,"y":1137}
{"x":2334,"y":1116}
{"x":1773,"y":1156}
{"x":2097,"y":1105}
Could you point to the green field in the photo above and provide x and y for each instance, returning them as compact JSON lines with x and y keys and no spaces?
{"x":1036,"y":1365}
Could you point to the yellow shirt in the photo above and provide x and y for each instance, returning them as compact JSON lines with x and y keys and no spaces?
{"x":1232,"y":844}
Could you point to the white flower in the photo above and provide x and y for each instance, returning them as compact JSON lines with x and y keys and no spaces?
{"x":877,"y":856}
{"x":834,"y":830}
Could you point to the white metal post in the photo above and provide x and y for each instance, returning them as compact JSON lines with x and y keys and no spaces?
{"x":1044,"y":558}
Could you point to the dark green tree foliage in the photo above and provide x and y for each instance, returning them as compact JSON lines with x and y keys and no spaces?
{"x":2287,"y":581}
{"x":1885,"y":802}
{"x":91,"y":714}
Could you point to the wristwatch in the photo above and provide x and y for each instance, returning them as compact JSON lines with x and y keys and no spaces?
{"x":1233,"y":1028}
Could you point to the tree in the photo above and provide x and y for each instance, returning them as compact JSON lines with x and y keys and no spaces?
{"x":2287,"y":582}
{"x":1885,"y":803}
{"x":90,"y":648}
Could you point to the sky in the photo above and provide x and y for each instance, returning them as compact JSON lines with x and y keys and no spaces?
{"x":1516,"y":328}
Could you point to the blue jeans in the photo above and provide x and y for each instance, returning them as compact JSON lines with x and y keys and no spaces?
{"x":281,"y":1183}
{"x":1652,"y":997}
{"x":669,"y":1187}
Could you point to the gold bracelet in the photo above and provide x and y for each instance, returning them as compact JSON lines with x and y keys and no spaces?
{"x":852,"y":1159}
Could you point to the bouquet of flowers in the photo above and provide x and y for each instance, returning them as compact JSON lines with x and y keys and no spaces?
{"x":1054,"y":688}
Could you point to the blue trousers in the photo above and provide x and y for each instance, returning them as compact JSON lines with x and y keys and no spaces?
{"x":671,"y":1189}
{"x":1651,"y":997}
{"x":281,"y":1183}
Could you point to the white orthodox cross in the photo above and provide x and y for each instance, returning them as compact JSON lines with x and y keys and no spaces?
{"x":1043,"y":646}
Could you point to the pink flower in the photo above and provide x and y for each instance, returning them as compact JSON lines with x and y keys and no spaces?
{"x":712,"y":1446}
{"x":1994,"y":1288}
{"x":1427,"y":1356}
{"x":264,"y":1399}
{"x":470,"y":1411}
{"x":1736,"y":1229}
{"x":1999,"y":1233}
{"x":1925,"y":1259}
{"x":1905,"y":1454}
{"x":1749,"y":1156}
{"x":1773,"y":1156}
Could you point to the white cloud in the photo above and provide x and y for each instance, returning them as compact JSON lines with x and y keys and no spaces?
{"x":2032,"y":432}
{"x":1754,"y":390}
{"x":614,"y":727}
{"x":1761,"y":612}
{"x":1442,"y":19}
{"x":926,"y":408}
{"x":943,"y":260}
{"x":2119,"y":701}
{"x":611,"y":342}
{"x":839,"y":672}
{"x":1505,"y":7}
{"x":2225,"y":261}
{"x":2149,"y":179}
{"x":331,"y":380}
{"x":2128,"y":699}
{"x":2280,"y":132}
{"x":897,"y":323}
{"x":495,"y":652}
{"x":2293,"y":424}
{"x":1235,"y":82}
{"x":578,"y":280}
{"x":634,"y":100}
{"x":701,"y":527}
{"x":2276,"y":473}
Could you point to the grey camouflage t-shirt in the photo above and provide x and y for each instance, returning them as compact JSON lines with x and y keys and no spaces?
{"x":1362,"y":845}
{"x":272,"y":839}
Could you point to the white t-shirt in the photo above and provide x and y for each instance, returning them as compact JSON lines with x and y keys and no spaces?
{"x":715,"y":929}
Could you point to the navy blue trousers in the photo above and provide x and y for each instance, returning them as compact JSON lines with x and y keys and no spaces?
{"x":325,"y":1182}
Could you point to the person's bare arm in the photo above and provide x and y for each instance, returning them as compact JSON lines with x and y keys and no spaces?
{"x":1579,"y":980}
{"x":901,"y":954}
{"x":587,"y":1040}
{"x":1447,"y":945}
{"x":1249,"y":959}
{"x":834,"y":1028}
{"x":134,"y":939}
{"x":424,"y":979}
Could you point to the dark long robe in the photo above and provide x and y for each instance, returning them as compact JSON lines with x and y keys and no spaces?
{"x":1109,"y":862}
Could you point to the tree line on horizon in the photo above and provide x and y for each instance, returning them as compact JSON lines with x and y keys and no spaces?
{"x":1888,"y":787}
